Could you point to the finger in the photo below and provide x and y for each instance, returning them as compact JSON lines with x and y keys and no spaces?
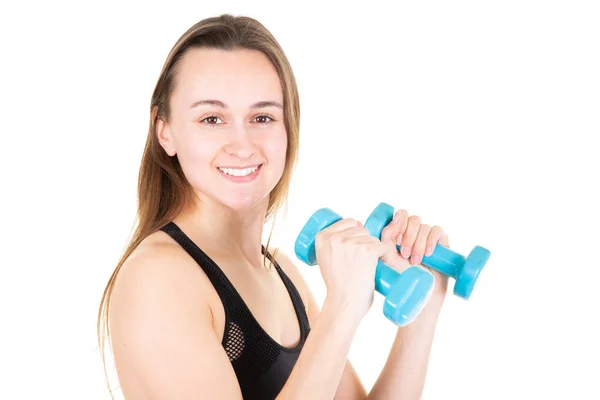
{"x":394,"y":230}
{"x":444,"y":240}
{"x":409,"y":237}
{"x":373,"y":245}
{"x":341,"y":225}
{"x":358,"y":231}
{"x":328,"y":233}
{"x":391,"y":255}
{"x":380,"y":249}
{"x":340,"y":237}
{"x":418,"y":249}
{"x":435,"y":235}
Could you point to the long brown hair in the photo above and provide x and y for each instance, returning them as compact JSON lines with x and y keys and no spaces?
{"x":163,"y":190}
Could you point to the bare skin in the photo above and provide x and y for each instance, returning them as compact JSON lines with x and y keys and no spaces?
{"x":167,"y":320}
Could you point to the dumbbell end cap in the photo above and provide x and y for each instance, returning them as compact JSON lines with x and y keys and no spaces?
{"x":305,"y":242}
{"x":305,"y":250}
{"x":409,"y":295}
{"x":474,"y":263}
{"x":380,"y":217}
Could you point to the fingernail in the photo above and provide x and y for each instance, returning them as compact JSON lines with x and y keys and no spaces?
{"x":399,"y":240}
{"x":405,"y":251}
{"x":429,"y":251}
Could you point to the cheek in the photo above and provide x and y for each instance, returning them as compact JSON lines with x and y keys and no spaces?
{"x":275,"y":149}
{"x":196,"y":154}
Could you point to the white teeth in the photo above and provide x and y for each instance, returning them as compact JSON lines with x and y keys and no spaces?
{"x":238,"y":172}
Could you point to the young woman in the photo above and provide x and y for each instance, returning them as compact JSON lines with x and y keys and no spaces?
{"x":196,"y":310}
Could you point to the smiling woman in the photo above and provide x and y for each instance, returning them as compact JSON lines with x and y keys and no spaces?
{"x":229,"y":129}
{"x":194,"y":309}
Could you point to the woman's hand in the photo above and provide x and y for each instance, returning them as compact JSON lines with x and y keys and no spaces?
{"x":348,"y":256}
{"x":416,"y":240}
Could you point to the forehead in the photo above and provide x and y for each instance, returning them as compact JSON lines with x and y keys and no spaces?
{"x":238,"y":77}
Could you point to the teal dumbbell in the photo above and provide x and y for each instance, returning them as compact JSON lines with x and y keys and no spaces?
{"x":464,"y":270}
{"x":405,"y":293}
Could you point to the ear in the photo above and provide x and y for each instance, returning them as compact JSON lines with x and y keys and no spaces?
{"x":165,"y":137}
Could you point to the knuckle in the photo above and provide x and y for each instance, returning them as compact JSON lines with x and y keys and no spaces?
{"x":320,"y":237}
{"x":321,"y":244}
{"x":415,"y":219}
{"x":371,"y":248}
{"x":336,"y":238}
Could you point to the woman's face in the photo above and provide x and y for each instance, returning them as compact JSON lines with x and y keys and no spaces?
{"x":227,"y":125}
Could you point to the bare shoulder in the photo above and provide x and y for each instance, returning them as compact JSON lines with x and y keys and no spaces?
{"x":160,"y":266}
{"x":156,"y":246}
{"x":158,"y":277}
{"x":162,"y":335}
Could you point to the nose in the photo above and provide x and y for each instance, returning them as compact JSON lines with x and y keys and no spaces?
{"x":241,"y":143}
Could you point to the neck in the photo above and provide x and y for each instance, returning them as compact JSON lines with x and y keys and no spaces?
{"x":235,"y":232}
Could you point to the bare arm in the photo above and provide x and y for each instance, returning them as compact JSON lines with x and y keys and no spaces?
{"x":323,"y":359}
{"x":165,"y":345}
{"x":404,"y":374}
{"x":348,"y":386}
{"x":405,"y":371}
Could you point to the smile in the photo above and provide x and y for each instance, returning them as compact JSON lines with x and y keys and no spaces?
{"x":239,"y":171}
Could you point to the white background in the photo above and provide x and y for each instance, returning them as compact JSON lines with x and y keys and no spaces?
{"x":482,"y":117}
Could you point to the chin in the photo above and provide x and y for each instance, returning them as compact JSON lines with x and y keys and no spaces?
{"x":251,"y":192}
{"x":244,"y":203}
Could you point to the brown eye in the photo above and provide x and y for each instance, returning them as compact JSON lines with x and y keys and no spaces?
{"x":211,"y":120}
{"x":263,"y":119}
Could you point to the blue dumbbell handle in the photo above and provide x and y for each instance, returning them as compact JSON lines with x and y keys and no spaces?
{"x":443,"y":260}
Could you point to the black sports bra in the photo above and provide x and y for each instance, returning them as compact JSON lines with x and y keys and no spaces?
{"x":262,"y":365}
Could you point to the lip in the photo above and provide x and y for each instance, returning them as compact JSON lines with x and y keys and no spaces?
{"x":234,"y":167}
{"x":241,"y":179}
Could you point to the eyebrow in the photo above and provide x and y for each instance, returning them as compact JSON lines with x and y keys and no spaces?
{"x":218,"y":103}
